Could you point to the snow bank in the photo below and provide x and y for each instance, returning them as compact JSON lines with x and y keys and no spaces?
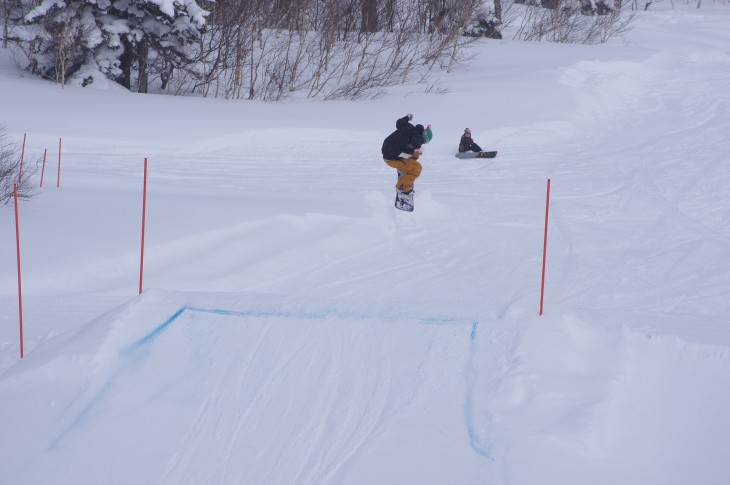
{"x":579,"y":403}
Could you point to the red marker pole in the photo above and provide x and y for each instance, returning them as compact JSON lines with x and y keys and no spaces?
{"x":43,"y":170}
{"x":144,"y":211}
{"x":17,"y":244}
{"x":58,"y":180}
{"x":544,"y":247}
{"x":22,"y":155}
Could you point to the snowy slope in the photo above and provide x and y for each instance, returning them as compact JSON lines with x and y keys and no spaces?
{"x":271,"y":394}
{"x":295,"y":328}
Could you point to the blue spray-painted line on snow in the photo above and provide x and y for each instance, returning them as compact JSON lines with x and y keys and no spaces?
{"x":480,"y":444}
{"x":154,"y":333}
{"x":86,"y":411}
{"x":477,"y":443}
{"x":272,"y":314}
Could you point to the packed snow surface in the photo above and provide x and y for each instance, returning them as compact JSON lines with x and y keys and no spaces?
{"x":296,"y":328}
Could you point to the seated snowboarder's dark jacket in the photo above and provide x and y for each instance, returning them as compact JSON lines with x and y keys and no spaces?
{"x":405,"y":139}
{"x":467,"y":144}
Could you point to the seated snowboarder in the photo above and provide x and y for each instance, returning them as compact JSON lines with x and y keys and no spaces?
{"x":406,"y":139}
{"x":467,"y":143}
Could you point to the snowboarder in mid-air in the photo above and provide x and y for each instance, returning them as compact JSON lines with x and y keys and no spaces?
{"x":405,"y":140}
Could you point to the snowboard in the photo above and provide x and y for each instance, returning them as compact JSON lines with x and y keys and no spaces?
{"x":465,"y":155}
{"x":487,"y":154}
{"x":403,"y":201}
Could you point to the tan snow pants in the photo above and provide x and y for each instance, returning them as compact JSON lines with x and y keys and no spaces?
{"x":409,"y":168}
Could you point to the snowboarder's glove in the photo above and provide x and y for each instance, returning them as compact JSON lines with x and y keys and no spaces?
{"x":410,"y":116}
{"x":416,"y":153}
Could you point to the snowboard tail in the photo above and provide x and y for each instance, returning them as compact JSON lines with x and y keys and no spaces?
{"x":487,"y":154}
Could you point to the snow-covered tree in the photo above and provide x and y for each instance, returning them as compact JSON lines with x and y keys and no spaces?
{"x":60,"y":38}
{"x":137,"y":30}
{"x":115,"y":37}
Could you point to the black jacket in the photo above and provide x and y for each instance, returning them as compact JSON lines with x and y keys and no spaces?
{"x":405,"y":139}
{"x":467,"y":143}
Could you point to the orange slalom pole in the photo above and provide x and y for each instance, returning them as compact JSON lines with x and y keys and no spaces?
{"x":17,"y":244}
{"x":544,"y":247}
{"x":43,"y":169}
{"x":144,"y":213}
{"x":22,"y":155}
{"x":58,"y":180}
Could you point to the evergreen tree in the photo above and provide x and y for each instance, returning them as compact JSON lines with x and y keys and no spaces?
{"x":117,"y":37}
{"x":59,"y":37}
{"x":151,"y":27}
